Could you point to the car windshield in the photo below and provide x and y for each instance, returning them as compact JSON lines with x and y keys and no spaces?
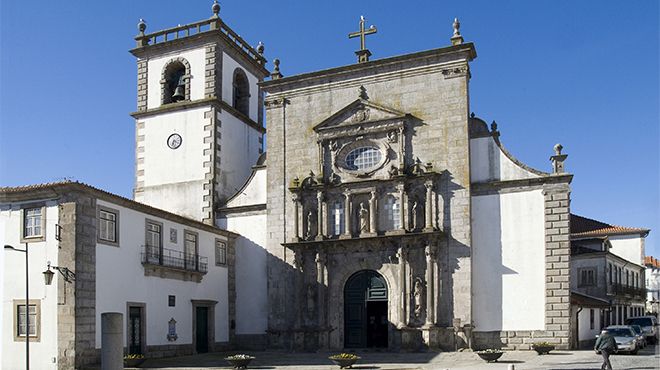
{"x":636,"y":328}
{"x":641,"y":321}
{"x":620,"y":332}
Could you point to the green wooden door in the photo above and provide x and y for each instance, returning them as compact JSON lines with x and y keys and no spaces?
{"x":365,"y":310}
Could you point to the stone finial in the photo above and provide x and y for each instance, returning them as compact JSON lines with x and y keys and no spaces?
{"x":142,"y":26}
{"x":558,"y":159}
{"x":472,"y":115}
{"x":362,"y":93}
{"x":558,"y":148}
{"x":261,"y":48}
{"x":493,"y":130}
{"x":215,"y":8}
{"x":456,"y":39}
{"x":276,"y":70}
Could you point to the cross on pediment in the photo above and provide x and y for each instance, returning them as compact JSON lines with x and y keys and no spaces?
{"x":363,"y":54}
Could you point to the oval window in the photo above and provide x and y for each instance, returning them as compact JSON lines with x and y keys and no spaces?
{"x":363,"y":158}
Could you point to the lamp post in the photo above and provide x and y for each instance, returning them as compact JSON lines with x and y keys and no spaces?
{"x":27,"y":304}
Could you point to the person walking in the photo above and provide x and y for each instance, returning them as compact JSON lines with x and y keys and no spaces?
{"x":606,"y":345}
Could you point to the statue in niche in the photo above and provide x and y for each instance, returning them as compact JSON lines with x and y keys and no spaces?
{"x":363,"y":213}
{"x":415,"y":216}
{"x":310,"y":299}
{"x":418,"y":294}
{"x":310,"y":220}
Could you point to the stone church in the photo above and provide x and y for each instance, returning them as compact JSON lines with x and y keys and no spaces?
{"x":384,"y":215}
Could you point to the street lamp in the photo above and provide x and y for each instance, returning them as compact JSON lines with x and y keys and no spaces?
{"x":67,"y":274}
{"x":27,"y":304}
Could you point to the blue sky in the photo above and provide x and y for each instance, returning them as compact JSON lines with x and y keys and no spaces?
{"x":582,"y":73}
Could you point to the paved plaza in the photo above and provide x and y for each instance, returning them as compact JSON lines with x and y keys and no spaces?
{"x":648,"y":358}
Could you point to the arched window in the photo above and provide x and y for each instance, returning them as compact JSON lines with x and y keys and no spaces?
{"x":241,"y":98}
{"x":175,"y":81}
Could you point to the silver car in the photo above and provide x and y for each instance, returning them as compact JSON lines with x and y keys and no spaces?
{"x":641,"y":338}
{"x":649,"y":325}
{"x":625,"y":337}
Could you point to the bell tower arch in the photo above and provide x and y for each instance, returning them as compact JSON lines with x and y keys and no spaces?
{"x":196,"y":139}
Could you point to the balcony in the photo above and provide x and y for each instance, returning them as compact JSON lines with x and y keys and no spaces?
{"x":624,"y":290}
{"x":172,"y":264}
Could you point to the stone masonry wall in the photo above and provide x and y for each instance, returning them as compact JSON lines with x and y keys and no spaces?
{"x":423,"y":88}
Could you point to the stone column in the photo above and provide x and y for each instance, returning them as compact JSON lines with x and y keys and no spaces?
{"x":402,"y":206}
{"x":320,"y":229}
{"x":402,"y":159}
{"x":112,"y":341}
{"x":321,"y":282}
{"x":296,"y":216}
{"x":298,"y":262}
{"x":347,"y":215}
{"x":373,"y":217}
{"x":402,"y":255}
{"x":428,"y":219}
{"x":430,"y":286}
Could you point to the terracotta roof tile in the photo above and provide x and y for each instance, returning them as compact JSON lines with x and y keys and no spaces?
{"x":582,"y":226}
{"x":650,"y":261}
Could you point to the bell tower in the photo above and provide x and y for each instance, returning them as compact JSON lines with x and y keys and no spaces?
{"x":199,"y":123}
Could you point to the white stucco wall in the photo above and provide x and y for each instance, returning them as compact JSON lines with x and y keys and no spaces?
{"x":251,"y":256}
{"x":173,"y":178}
{"x":239,"y":151}
{"x":228,"y":67}
{"x":43,"y":354}
{"x":508,"y":261}
{"x":584,"y":324}
{"x":628,"y":247}
{"x":489,"y":163}
{"x":194,"y":56}
{"x":114,"y":289}
{"x":254,"y":191}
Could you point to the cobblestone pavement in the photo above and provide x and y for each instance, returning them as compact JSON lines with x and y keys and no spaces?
{"x":648,"y":358}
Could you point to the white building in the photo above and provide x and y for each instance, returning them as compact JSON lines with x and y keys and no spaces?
{"x":652,"y":285}
{"x":171,"y":277}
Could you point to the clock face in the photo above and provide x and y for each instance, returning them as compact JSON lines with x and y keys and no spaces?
{"x":174,"y":141}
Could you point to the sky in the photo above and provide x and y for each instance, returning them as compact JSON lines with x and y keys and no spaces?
{"x":581,"y":73}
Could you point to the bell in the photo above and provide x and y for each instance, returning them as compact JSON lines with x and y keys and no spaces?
{"x":180,"y":91}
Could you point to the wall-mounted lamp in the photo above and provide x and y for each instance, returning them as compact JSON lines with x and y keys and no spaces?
{"x":68,"y":275}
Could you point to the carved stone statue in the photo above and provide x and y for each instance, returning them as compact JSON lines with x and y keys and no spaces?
{"x":415,"y":215}
{"x":419,"y":301}
{"x":363,"y":213}
{"x":310,"y":220}
{"x":310,"y":299}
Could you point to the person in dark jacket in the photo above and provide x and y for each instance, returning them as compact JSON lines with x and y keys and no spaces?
{"x":606,"y":345}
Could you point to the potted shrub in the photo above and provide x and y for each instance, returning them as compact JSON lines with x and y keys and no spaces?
{"x":240,"y":361}
{"x":344,"y":360}
{"x":133,"y":360}
{"x":542,"y":348}
{"x":490,"y":355}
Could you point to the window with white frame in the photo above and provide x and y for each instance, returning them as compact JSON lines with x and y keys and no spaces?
{"x":337,"y":219}
{"x":33,"y":222}
{"x":220,"y":252}
{"x":21,"y":327}
{"x":587,"y":277}
{"x":108,"y":225}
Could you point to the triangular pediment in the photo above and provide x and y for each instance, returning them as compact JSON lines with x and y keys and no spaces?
{"x":361,"y":112}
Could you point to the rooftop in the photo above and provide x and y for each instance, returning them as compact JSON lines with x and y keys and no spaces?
{"x":55,"y":190}
{"x":586,"y":227}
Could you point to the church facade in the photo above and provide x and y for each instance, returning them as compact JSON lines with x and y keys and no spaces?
{"x":394,"y":218}
{"x":383,"y":214}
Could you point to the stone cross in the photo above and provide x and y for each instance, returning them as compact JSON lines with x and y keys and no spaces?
{"x":363,"y":54}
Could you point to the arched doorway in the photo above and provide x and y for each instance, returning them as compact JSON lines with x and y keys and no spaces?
{"x":365,"y":310}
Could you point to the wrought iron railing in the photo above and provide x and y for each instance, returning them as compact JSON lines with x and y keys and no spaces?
{"x":622,"y":289}
{"x":174,"y":259}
